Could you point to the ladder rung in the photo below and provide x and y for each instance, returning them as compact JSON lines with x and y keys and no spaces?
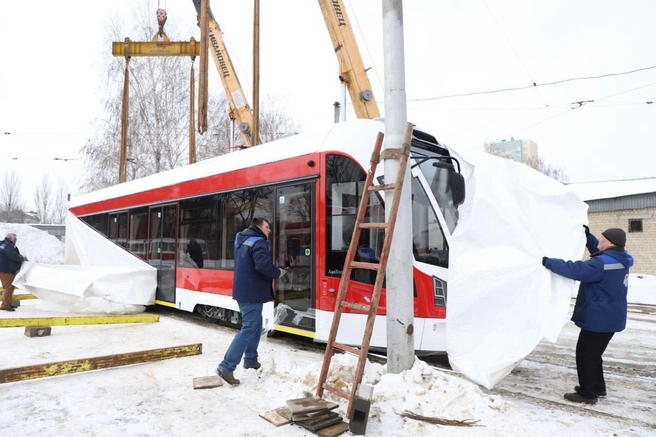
{"x":356,"y":306}
{"x":382,"y":187}
{"x":355,"y":351}
{"x":336,"y":391}
{"x":382,"y":225}
{"x":361,"y":265}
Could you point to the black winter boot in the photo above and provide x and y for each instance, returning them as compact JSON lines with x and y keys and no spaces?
{"x":601,"y":394}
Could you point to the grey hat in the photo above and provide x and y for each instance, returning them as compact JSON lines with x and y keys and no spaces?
{"x":616,"y":236}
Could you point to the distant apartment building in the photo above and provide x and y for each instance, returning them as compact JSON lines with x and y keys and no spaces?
{"x":517,"y":150}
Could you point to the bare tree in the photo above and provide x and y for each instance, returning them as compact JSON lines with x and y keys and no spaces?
{"x":60,"y":202}
{"x":10,"y":197}
{"x":554,"y":172}
{"x":274,"y":121}
{"x":158,"y":134}
{"x":43,"y":199}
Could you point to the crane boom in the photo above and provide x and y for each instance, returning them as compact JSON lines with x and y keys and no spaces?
{"x":239,"y":109}
{"x":351,"y":66}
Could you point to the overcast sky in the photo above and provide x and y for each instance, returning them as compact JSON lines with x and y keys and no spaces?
{"x":52,"y":77}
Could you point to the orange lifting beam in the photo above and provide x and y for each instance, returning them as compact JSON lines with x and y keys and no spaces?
{"x":156,"y":48}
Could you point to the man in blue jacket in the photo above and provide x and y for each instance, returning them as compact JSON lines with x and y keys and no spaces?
{"x":601,"y":306}
{"x":251,"y":288}
{"x":10,"y":263}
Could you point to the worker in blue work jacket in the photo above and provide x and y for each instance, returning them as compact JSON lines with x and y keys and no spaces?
{"x":251,"y":288}
{"x":601,"y":306}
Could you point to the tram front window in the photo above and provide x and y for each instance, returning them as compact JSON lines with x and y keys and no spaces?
{"x":438,"y":180}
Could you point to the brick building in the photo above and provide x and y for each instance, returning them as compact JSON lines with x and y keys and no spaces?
{"x":629,"y":205}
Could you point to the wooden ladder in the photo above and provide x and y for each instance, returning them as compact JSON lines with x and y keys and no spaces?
{"x":349,"y":264}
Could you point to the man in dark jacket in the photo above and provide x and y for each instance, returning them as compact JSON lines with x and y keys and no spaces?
{"x":10,"y":264}
{"x":601,"y":306}
{"x":251,"y":288}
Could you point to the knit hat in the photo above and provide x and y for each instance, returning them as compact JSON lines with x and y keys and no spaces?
{"x":615,"y":236}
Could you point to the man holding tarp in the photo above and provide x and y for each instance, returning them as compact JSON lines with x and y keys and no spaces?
{"x":601,"y":306}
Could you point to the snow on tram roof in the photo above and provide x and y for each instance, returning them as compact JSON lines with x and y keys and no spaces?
{"x":339,"y":137}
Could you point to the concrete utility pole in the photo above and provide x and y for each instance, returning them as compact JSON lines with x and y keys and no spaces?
{"x":256,"y":73}
{"x":400,"y":301}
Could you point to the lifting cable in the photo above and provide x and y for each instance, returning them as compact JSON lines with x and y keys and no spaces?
{"x":203,"y":67}
{"x":122,"y":166}
{"x":192,"y":121}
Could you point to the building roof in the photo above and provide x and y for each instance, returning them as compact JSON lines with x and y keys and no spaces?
{"x":612,"y":189}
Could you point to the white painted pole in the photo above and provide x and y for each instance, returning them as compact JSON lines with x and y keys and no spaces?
{"x":342,"y":114}
{"x":400,"y":300}
{"x":232,"y":136}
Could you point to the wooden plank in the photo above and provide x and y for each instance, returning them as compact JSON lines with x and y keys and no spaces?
{"x":275,"y":418}
{"x":285,"y":412}
{"x":316,"y":426}
{"x":97,"y":363}
{"x":334,"y":430}
{"x":207,"y":382}
{"x":78,"y":320}
{"x":309,"y":404}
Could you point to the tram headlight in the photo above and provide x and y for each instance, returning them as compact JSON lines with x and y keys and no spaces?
{"x":439,"y":292}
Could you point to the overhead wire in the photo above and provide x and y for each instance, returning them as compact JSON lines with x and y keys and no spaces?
{"x":513,"y":49}
{"x":519,"y":88}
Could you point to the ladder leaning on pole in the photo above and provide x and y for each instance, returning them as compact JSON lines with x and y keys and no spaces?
{"x":350,"y":264}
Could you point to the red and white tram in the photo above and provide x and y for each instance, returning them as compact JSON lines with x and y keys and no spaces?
{"x":308,"y":187}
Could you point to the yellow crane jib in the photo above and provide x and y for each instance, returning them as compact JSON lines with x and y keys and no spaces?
{"x":240,"y":111}
{"x":351,"y":67}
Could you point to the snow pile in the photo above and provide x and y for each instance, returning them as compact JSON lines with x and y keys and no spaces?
{"x":642,"y":289}
{"x":38,"y":246}
{"x":421,"y":390}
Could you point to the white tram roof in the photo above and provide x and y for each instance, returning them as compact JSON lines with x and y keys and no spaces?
{"x":354,"y":138}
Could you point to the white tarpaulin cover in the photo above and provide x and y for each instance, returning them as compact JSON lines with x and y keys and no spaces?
{"x":97,"y":276}
{"x":502,"y":301}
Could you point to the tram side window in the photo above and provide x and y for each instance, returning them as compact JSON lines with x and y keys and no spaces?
{"x":197,"y":242}
{"x":344,"y":187}
{"x":118,"y":228}
{"x":428,"y":242}
{"x":138,"y":234}
{"x":98,"y":222}
{"x":238,"y":209}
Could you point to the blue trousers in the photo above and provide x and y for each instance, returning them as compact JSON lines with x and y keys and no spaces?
{"x":247,"y":339}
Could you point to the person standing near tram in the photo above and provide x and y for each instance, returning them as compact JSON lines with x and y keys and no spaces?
{"x":252,"y":287}
{"x":601,"y":306}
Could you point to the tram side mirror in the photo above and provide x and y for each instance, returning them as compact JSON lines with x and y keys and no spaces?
{"x":457,"y":183}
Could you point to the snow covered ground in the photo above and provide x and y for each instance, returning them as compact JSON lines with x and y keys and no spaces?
{"x":157,"y":399}
{"x":642,"y":289}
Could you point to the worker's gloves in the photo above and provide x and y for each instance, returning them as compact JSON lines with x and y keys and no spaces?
{"x":544,"y":261}
{"x":587,"y":231}
{"x":283,"y":272}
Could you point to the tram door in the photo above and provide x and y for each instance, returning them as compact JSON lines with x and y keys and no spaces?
{"x":162,"y":249}
{"x":294,"y":249}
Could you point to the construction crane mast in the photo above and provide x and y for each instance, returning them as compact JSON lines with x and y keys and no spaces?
{"x":239,"y":109}
{"x":351,"y":67}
